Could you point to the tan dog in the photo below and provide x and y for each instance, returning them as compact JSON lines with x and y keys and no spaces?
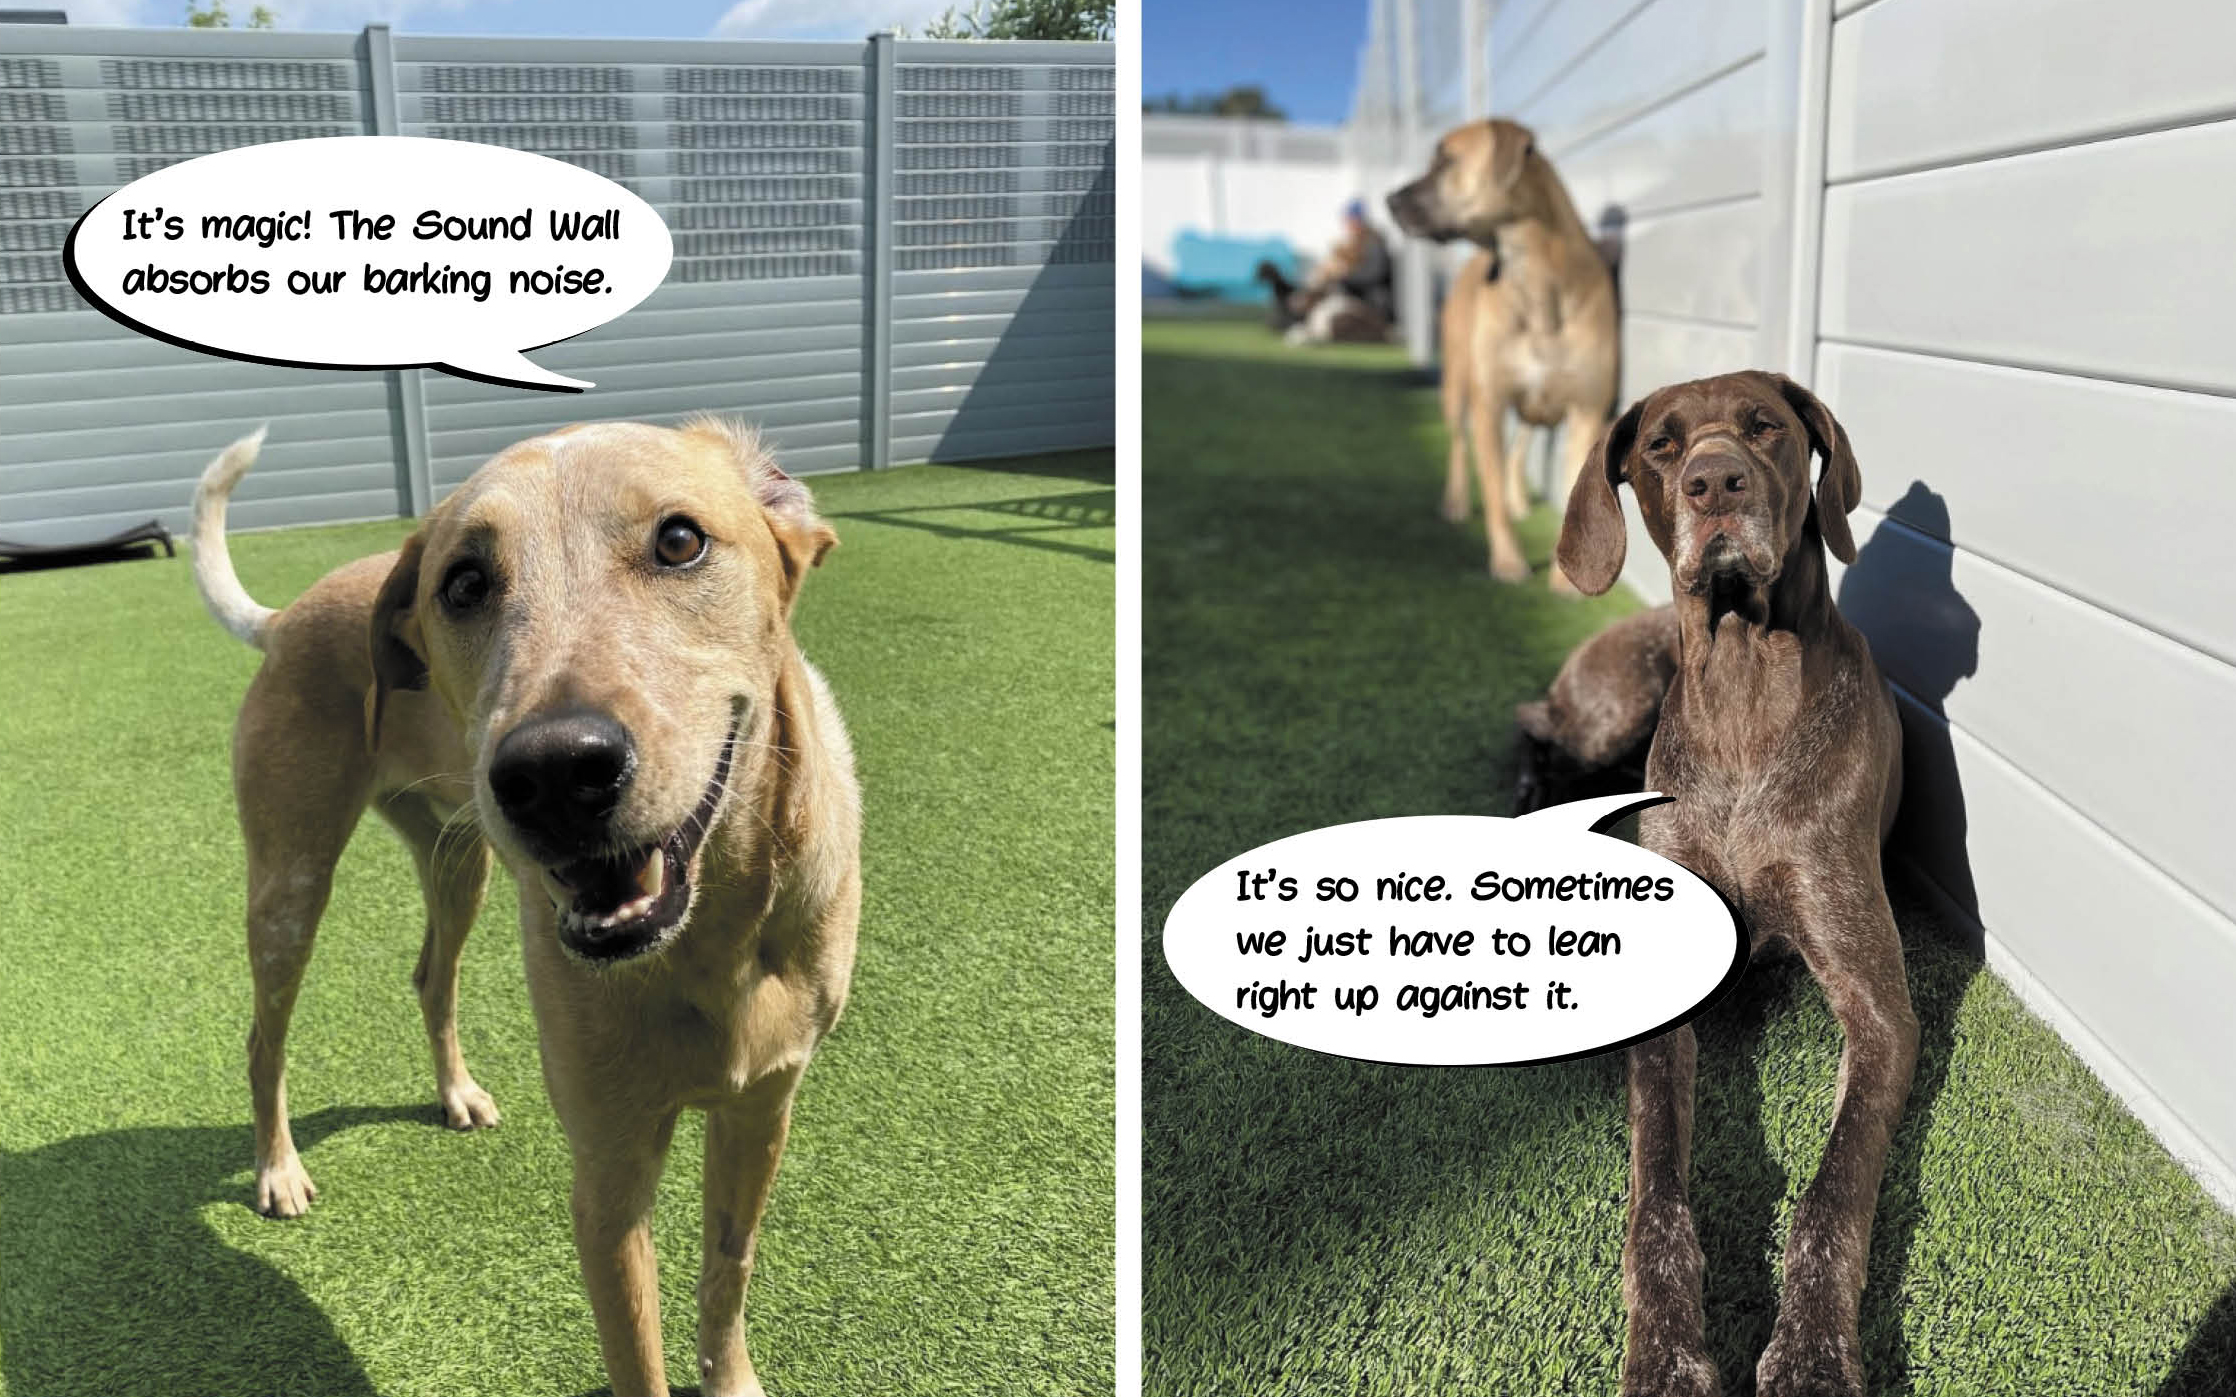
{"x":583,"y":658}
{"x":1529,"y":325}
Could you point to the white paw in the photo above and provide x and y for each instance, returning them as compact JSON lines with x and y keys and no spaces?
{"x":284,"y":1189}
{"x":467,"y":1107}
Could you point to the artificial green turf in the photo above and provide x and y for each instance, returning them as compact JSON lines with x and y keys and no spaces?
{"x":1320,"y":647}
{"x":943,"y":1222}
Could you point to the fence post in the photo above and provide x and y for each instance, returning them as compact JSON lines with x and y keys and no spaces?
{"x":879,"y":219}
{"x":407,"y":401}
{"x":1799,"y":78}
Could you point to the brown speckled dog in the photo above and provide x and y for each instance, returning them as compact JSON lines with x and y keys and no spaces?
{"x":1780,"y":743}
{"x":1590,"y":734}
{"x":583,"y":659}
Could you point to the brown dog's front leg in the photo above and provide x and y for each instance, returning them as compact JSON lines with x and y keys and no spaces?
{"x":1665,"y":1353}
{"x":1815,"y":1348}
{"x":745,"y":1140}
{"x":615,"y":1179}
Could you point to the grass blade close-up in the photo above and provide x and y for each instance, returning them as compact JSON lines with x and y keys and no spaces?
{"x":1320,"y":647}
{"x":942,"y":1222}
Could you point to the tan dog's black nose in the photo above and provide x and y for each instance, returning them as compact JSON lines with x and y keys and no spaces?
{"x":1714,"y":483}
{"x":559,"y":778}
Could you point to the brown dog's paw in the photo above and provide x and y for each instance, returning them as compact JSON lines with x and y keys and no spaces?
{"x":1803,"y":1365}
{"x":468,"y":1107}
{"x":1659,"y":1371}
{"x":284,"y":1189}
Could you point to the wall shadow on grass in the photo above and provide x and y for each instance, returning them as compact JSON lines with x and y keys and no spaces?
{"x":115,"y":1284}
{"x":1028,"y":523}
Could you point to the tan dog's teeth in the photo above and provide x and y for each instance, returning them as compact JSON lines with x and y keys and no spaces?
{"x":652,"y":879}
{"x":556,"y":890}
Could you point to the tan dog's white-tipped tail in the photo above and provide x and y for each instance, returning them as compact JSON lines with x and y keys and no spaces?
{"x":221,"y":590}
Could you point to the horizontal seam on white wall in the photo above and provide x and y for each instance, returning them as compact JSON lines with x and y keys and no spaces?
{"x":1597,"y":42}
{"x":1669,"y":98}
{"x":2170,"y":385}
{"x":2102,"y":136}
{"x":1704,"y":322}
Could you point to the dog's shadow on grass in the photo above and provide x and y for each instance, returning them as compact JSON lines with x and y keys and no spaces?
{"x":114,"y":1283}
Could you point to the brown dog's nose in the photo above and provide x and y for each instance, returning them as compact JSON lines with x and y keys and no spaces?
{"x":558,"y":778}
{"x":1714,"y":483}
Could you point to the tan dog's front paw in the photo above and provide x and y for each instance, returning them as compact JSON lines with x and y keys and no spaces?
{"x":1511,"y":568}
{"x":735,"y":1384}
{"x":1561,"y":585}
{"x":284,"y":1189}
{"x":467,"y":1107}
{"x":1453,"y":508}
{"x":1804,"y":1365}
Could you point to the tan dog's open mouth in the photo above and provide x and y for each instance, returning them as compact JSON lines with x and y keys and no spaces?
{"x":620,"y":906}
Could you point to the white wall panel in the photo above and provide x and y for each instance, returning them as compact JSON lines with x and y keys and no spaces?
{"x":1654,"y":54}
{"x":2107,"y":259}
{"x":1702,"y":264}
{"x":1916,"y":84}
{"x":1704,"y":145}
{"x":2103,"y":490}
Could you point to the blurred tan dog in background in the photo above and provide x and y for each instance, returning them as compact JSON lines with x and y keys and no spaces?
{"x":1529,"y":324}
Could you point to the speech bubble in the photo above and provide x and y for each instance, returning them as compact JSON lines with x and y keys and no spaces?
{"x":1451,"y":940}
{"x":371,"y":252}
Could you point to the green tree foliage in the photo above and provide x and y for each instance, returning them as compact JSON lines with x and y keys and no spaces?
{"x":214,"y":16}
{"x":1027,"y":19}
{"x":1246,"y":101}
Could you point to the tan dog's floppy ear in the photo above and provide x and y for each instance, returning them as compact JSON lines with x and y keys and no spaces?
{"x":397,"y":664}
{"x":1593,"y":535}
{"x":802,"y":538}
{"x":1840,"y":484}
{"x":1511,"y":144}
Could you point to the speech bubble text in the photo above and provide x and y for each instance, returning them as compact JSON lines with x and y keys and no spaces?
{"x":372,"y":252}
{"x":1452,"y":940}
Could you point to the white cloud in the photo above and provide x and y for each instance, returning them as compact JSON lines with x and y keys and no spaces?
{"x":112,"y":11}
{"x":825,"y":19}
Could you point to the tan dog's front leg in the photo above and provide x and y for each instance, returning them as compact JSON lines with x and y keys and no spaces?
{"x":616,"y":1174}
{"x":1486,"y":419}
{"x":745,"y":1140}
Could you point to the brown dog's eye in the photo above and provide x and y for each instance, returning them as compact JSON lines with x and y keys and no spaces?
{"x":1761,"y":427}
{"x":465,"y":586}
{"x":1660,"y":445}
{"x":679,"y":543}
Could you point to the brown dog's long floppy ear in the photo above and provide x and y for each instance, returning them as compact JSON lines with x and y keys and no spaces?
{"x":802,"y":538}
{"x":1840,"y":484}
{"x":1593,"y":535}
{"x":397,"y":663}
{"x":1511,"y":144}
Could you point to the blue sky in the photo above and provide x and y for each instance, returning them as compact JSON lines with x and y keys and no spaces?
{"x":1304,"y":53}
{"x":649,"y":19}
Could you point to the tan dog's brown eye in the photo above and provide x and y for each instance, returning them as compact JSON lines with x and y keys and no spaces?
{"x":679,"y":543}
{"x":465,"y":586}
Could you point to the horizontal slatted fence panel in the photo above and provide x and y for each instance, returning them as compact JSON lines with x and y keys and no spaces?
{"x":102,"y":428}
{"x":1004,"y":253}
{"x":755,"y":157}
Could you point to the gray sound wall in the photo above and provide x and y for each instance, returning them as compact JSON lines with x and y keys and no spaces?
{"x":885,"y":252}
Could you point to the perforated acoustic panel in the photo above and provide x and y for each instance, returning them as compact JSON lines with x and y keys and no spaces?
{"x":101,"y":428}
{"x":1004,"y":223}
{"x":761,"y":159}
